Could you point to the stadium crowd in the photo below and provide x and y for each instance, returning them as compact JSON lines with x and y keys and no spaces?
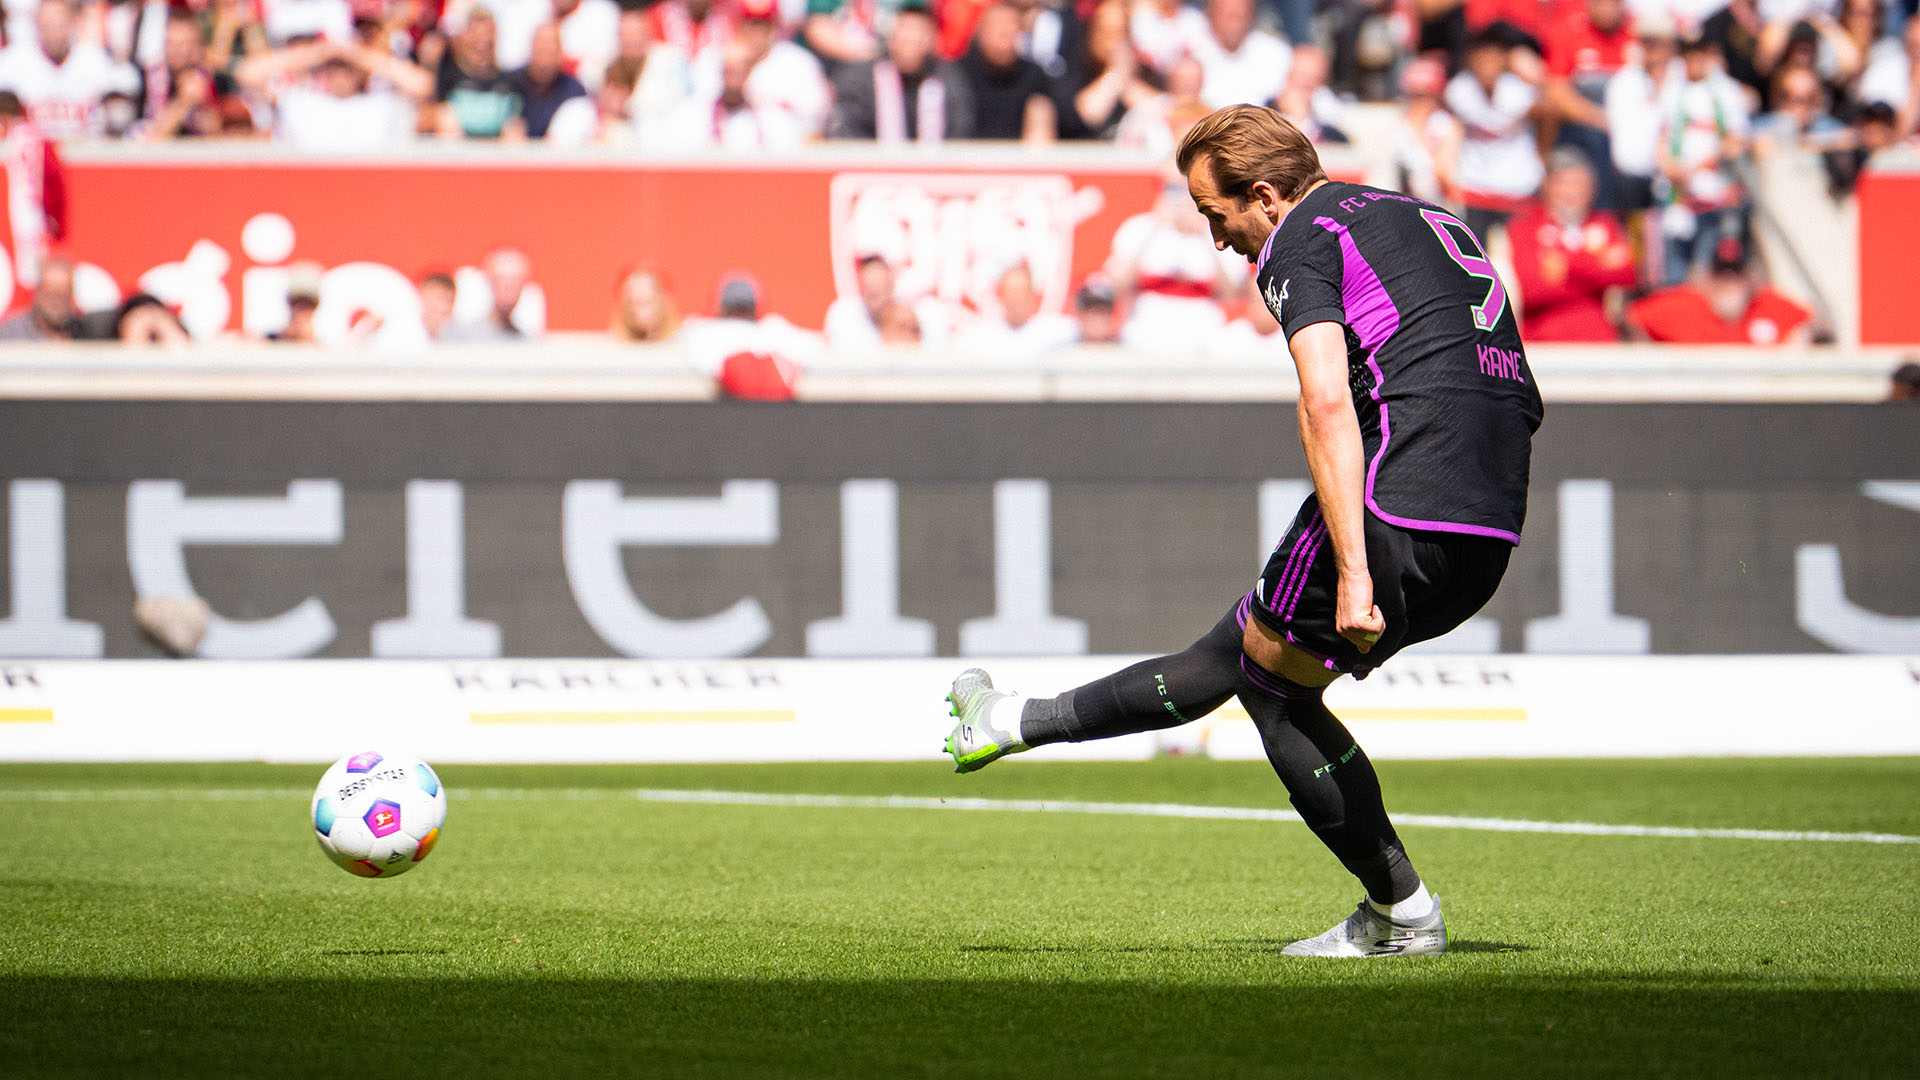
{"x":1604,"y":146}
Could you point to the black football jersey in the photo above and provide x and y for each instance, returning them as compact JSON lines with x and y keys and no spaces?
{"x":1447,"y":404}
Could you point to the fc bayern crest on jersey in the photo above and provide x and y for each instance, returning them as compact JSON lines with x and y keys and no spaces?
{"x":1276,"y":300}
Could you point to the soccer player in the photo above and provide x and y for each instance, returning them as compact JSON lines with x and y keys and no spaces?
{"x":1417,"y":411}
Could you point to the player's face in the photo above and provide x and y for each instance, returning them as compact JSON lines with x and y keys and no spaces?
{"x":1237,"y":224}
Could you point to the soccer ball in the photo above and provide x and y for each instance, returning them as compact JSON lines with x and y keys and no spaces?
{"x":378,"y":814}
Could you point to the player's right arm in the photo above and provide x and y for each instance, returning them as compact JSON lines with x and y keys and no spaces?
{"x":1330,"y":432}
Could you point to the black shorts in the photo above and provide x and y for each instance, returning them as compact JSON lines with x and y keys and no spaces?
{"x":1425,"y":584}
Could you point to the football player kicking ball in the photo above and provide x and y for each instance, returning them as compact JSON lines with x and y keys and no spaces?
{"x":1417,"y":411}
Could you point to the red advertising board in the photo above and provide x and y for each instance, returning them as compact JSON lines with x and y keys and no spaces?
{"x":214,"y":236}
{"x":1889,"y":237}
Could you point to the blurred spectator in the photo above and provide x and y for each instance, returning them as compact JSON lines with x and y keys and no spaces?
{"x":1734,"y":31}
{"x":1426,"y":142}
{"x":662,"y":77}
{"x":183,"y":95}
{"x":508,"y":271}
{"x":602,"y":119}
{"x":514,"y":24}
{"x":692,"y":28}
{"x":773,"y":348}
{"x":589,"y":36}
{"x":326,"y":100}
{"x":1053,"y":34}
{"x":840,"y":32}
{"x":1156,"y":126}
{"x":783,"y":80}
{"x":62,"y":79}
{"x":1243,"y":65}
{"x":897,"y":324}
{"x":1862,"y":22}
{"x":1633,"y":107}
{"x":1018,"y":329}
{"x":1815,"y":43}
{"x":1871,"y":131}
{"x":1704,"y":118}
{"x":132,"y":31}
{"x":293,"y":22}
{"x":1802,"y":118}
{"x":51,"y":316}
{"x":436,"y":305}
{"x":303,"y":299}
{"x":1893,"y":77}
{"x":1166,"y":259}
{"x":1093,"y":310}
{"x":143,"y":320}
{"x":1254,"y":329}
{"x":234,"y":32}
{"x":1499,"y":160}
{"x":731,"y":120}
{"x":644,"y":310}
{"x":476,"y":100}
{"x":36,"y":191}
{"x":1364,"y":43}
{"x":1113,"y":81}
{"x":1307,"y":101}
{"x":1724,"y":307}
{"x":1010,"y":92}
{"x":1568,"y":257}
{"x":1585,"y":49}
{"x":543,"y":85}
{"x":1163,"y":31}
{"x":1905,"y":384}
{"x":909,"y":95}
{"x":853,"y":322}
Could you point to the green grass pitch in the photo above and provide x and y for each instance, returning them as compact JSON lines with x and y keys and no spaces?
{"x":563,"y":927}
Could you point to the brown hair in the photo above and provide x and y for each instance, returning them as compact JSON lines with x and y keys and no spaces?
{"x":1245,"y":144}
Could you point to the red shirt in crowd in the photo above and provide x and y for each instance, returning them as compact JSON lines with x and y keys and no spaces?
{"x":1565,"y":274}
{"x":1533,"y":16}
{"x":1683,"y":316}
{"x":1577,"y":50}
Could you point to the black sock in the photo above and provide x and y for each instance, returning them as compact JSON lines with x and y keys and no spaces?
{"x":1154,"y":694}
{"x":1331,"y":784}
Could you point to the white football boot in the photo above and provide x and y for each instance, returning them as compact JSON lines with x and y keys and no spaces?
{"x":1369,"y":933}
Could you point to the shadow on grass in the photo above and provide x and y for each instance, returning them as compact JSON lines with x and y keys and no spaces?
{"x":1437,"y":1022}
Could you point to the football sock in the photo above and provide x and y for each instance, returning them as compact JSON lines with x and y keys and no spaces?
{"x":1331,"y":784}
{"x":1153,"y":694}
{"x":1005,"y":716}
{"x":1417,"y":906}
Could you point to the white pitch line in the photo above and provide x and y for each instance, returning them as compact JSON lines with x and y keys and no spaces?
{"x":1248,"y":813}
{"x":920,"y":802}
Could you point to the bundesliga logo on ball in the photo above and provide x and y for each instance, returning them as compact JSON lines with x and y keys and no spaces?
{"x":377,"y":814}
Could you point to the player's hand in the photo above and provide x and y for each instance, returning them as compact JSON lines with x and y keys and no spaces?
{"x":1355,"y":615}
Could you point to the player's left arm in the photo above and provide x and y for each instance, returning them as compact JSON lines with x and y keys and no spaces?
{"x":1330,"y":432}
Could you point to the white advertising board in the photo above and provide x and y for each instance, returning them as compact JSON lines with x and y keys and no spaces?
{"x":893,"y":710}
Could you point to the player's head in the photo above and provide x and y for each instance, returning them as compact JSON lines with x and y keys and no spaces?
{"x":1245,"y":167}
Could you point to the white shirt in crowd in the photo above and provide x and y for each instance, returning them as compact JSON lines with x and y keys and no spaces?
{"x":1160,"y":41}
{"x":788,"y":79}
{"x":589,"y":39}
{"x":63,"y":99}
{"x":991,"y":338}
{"x":1498,"y":155}
{"x":313,"y":120}
{"x":1413,"y":152}
{"x":514,"y":22}
{"x":1155,"y":253}
{"x":287,"y":19}
{"x":1632,"y":102}
{"x":701,"y":124}
{"x":1889,"y":74}
{"x":1253,"y":74}
{"x":1695,"y":117}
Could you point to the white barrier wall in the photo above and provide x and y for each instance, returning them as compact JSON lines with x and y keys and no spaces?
{"x":804,"y":710}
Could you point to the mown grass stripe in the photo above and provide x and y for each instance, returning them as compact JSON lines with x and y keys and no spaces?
{"x":1023,"y":806}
